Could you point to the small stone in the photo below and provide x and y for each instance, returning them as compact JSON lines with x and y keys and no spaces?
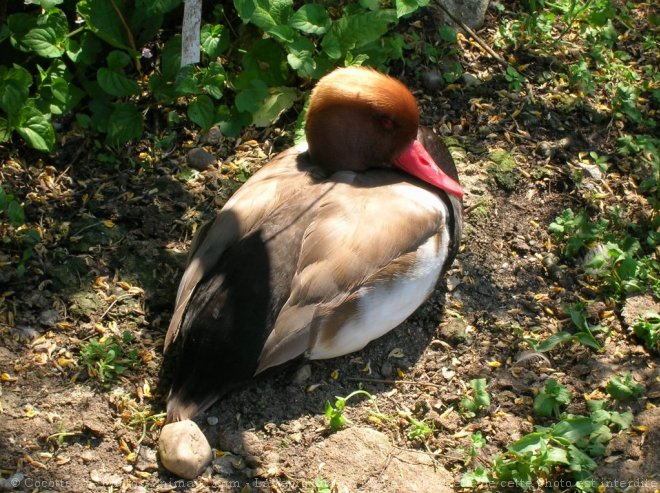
{"x":213,"y":136}
{"x":200,"y":159}
{"x":387,"y":370}
{"x":454,"y":330}
{"x":302,"y":375}
{"x":432,"y":80}
{"x":105,"y":478}
{"x":453,"y":282}
{"x":183,"y":449}
{"x":127,"y":469}
{"x":88,"y":456}
{"x":470,"y":80}
{"x":48,"y":318}
{"x":212,"y":420}
{"x":223,"y":465}
{"x":146,"y":460}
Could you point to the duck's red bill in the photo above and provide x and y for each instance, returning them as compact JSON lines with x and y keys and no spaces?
{"x":416,"y":161}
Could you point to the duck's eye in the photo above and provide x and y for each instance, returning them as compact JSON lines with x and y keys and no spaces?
{"x":386,"y":122}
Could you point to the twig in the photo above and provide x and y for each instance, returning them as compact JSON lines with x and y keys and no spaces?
{"x":393,"y":382}
{"x":483,"y":44}
{"x":129,"y":34}
{"x":468,"y":30}
{"x":119,"y":298}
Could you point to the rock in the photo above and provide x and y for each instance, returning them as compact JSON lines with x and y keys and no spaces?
{"x":146,"y":459}
{"x":432,"y":80}
{"x":183,"y":449}
{"x":454,"y":330}
{"x":387,"y":370}
{"x":200,"y":159}
{"x":105,"y":478}
{"x":470,"y":80}
{"x":637,"y":306}
{"x":212,"y":420}
{"x":223,"y":465}
{"x":362,"y":459}
{"x":302,"y":375}
{"x":213,"y":136}
{"x":471,"y":12}
{"x":12,"y":482}
{"x":88,"y":456}
{"x":48,"y":318}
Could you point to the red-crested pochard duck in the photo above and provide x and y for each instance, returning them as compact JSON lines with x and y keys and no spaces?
{"x":329,"y":246}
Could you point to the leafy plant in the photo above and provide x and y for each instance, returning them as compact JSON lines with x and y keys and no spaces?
{"x":335,"y":414}
{"x":480,"y":399}
{"x":419,"y":429}
{"x":14,"y":230}
{"x":552,"y":396}
{"x":566,"y":448}
{"x":624,"y":388}
{"x":647,"y":328}
{"x":109,"y":357}
{"x":113,"y":69}
{"x":585,"y":335}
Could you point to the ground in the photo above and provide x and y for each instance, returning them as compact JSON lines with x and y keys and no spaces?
{"x":116,"y":236}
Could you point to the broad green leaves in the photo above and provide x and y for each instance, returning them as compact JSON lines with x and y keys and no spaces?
{"x":45,"y":34}
{"x":120,"y":70}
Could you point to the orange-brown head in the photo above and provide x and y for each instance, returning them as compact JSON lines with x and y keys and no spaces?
{"x":359,"y":118}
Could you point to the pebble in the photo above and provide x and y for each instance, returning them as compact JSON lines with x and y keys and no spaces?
{"x":387,"y":370}
{"x":88,"y":456}
{"x":48,"y":317}
{"x":213,"y":136}
{"x":212,"y":420}
{"x":200,"y":159}
{"x":146,"y":459}
{"x":302,"y":375}
{"x":183,"y":449}
{"x":432,"y":80}
{"x":105,"y":478}
{"x":470,"y":80}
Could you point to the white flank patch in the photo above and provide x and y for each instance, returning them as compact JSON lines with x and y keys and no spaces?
{"x":385,"y":307}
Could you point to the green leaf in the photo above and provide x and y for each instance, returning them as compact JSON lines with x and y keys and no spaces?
{"x":624,"y":388}
{"x":201,"y":112}
{"x":46,"y":34}
{"x":250,"y":99}
{"x":117,"y":60}
{"x":102,"y":19}
{"x":405,"y":7}
{"x":553,"y":340}
{"x":301,"y":56}
{"x":355,"y":31}
{"x":84,"y":51}
{"x":370,"y":4}
{"x":125,"y":124}
{"x":214,"y":40}
{"x":213,"y":80}
{"x":171,"y":58}
{"x":14,"y":89}
{"x":447,"y":33}
{"x":158,"y":6}
{"x":15,"y":214}
{"x":186,"y":81}
{"x":116,"y":83}
{"x":36,"y":129}
{"x":311,"y":18}
{"x":5,"y":130}
{"x":474,"y":478}
{"x":573,"y":429}
{"x":278,"y":101}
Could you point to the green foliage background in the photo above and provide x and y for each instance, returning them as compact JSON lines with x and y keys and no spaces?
{"x":112,"y":63}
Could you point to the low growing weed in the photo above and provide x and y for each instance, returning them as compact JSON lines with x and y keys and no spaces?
{"x":108,"y":358}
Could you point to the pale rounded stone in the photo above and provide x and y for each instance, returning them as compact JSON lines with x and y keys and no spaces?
{"x":183,"y":449}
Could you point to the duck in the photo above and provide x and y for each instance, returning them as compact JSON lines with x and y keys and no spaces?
{"x":332,"y":244}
